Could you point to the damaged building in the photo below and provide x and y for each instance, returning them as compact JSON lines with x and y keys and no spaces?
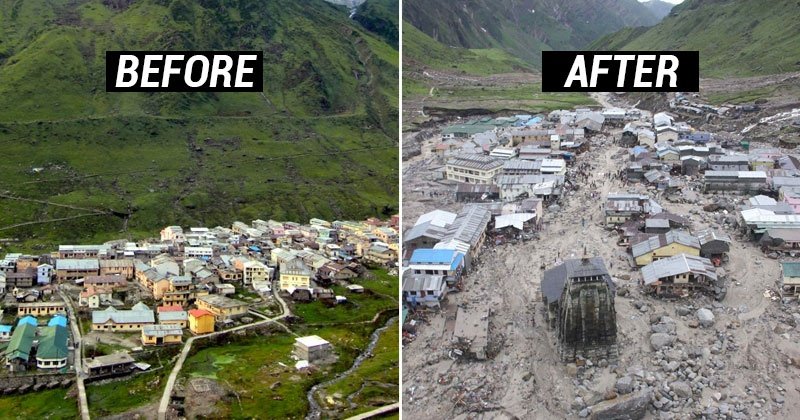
{"x":679,"y":276}
{"x":579,"y":298}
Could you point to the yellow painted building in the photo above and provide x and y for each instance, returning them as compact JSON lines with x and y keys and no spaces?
{"x":222,"y":307}
{"x":663,"y":246}
{"x":295,"y":273}
{"x":158,"y":335}
{"x":201,"y":321}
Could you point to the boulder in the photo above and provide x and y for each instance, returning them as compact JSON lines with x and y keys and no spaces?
{"x":682,"y":389}
{"x":705,"y":317}
{"x":624,"y":385}
{"x":661,"y":340}
{"x":626,"y":407}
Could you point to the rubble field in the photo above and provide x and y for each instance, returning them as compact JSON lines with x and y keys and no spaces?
{"x":680,"y":358}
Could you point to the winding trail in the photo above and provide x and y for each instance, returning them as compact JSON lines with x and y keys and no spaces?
{"x":315,"y":411}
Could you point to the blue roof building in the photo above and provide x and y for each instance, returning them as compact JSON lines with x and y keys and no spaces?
{"x":28,"y":320}
{"x":445,"y":262}
{"x":58,"y":320}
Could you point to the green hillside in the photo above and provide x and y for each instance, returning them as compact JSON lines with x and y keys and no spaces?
{"x":734,"y":37}
{"x":320,"y":141}
{"x":420,"y":50}
{"x":523,"y":28}
{"x":380,"y":17}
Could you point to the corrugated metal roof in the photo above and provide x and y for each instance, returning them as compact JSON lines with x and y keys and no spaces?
{"x":707,"y":235}
{"x":469,"y":225}
{"x":663,"y":240}
{"x":132,"y":316}
{"x":161,"y":330}
{"x":679,"y":264}
{"x":438,"y":218}
{"x":422,"y":282}
{"x":78,"y":264}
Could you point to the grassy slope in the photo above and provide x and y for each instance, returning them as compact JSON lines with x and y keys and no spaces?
{"x":45,"y":404}
{"x":735,"y":38}
{"x":192,"y":158}
{"x":523,"y":28}
{"x":420,"y":49}
{"x":380,"y":17}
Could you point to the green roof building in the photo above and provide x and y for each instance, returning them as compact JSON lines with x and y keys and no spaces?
{"x":53,"y":351}
{"x":18,"y":352}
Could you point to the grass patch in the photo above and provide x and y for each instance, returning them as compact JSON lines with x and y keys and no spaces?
{"x":358,"y":308}
{"x":50,"y":404}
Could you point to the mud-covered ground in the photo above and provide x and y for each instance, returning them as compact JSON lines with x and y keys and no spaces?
{"x":745,"y":365}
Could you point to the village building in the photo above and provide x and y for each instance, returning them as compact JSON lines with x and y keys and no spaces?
{"x":467,"y":232}
{"x":122,"y":268}
{"x":84,"y":251}
{"x":620,"y":208}
{"x":161,"y":334}
{"x":108,"y":365}
{"x":5,"y":332}
{"x":17,"y":355}
{"x":424,"y":289}
{"x":52,"y":351}
{"x":94,"y":297}
{"x":579,"y":297}
{"x":473,"y":169}
{"x":44,"y":274}
{"x":221,"y":307}
{"x":742,"y":181}
{"x":757,"y":221}
{"x":679,"y":275}
{"x":665,"y":245}
{"x":172,"y":315}
{"x":41,"y":309}
{"x":74,"y":269}
{"x":312,"y":348}
{"x":113,"y":320}
{"x":729,"y":163}
{"x":201,"y":321}
{"x":714,"y":244}
{"x":116,"y":282}
{"x":789,"y":283}
{"x":26,"y":277}
{"x":294,"y":273}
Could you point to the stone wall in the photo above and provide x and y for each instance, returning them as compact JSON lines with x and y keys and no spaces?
{"x":31,"y":383}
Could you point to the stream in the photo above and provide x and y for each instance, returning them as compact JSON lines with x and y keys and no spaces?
{"x":315,"y":412}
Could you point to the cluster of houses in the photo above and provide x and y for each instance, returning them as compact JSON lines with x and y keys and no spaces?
{"x":190,"y":275}
{"x":31,"y":345}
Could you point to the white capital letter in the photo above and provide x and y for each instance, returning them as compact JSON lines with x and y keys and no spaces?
{"x":187,"y":77}
{"x":623,"y":67}
{"x":641,"y":70}
{"x":578,"y":72}
{"x":664,"y":71}
{"x":124,"y":69}
{"x":147,"y":70}
{"x":242,"y":69}
{"x":169,"y":70}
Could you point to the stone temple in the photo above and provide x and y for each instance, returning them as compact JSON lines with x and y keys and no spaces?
{"x":579,"y":297}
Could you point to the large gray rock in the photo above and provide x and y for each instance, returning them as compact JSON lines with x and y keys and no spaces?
{"x":626,"y":407}
{"x":661,"y":340}
{"x":624,"y":385}
{"x":682,"y":389}
{"x":705,"y":317}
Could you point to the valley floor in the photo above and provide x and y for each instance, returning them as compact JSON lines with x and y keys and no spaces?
{"x":744,"y":366}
